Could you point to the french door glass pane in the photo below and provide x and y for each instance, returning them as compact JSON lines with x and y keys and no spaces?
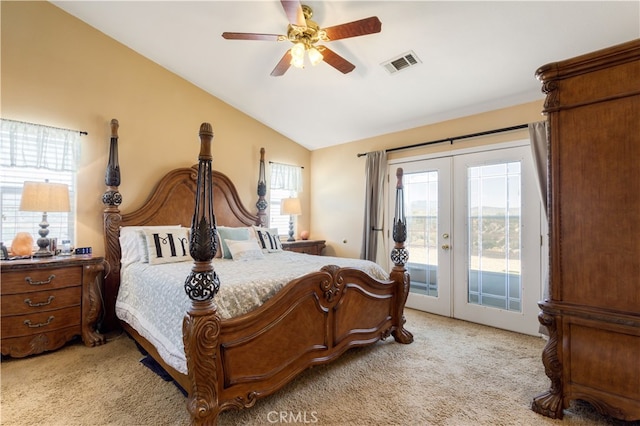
{"x":494,"y":222}
{"x":421,"y":208}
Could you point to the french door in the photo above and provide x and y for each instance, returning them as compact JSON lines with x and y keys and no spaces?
{"x":427,"y":198}
{"x":473,"y":235}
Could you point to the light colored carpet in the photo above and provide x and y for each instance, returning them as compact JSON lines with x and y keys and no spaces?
{"x":455,"y":373}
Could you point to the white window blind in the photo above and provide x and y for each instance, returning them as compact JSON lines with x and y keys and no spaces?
{"x":285,"y":182}
{"x":32,"y":152}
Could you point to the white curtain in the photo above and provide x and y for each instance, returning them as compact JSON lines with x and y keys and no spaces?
{"x":39,"y":147}
{"x":374,"y":205}
{"x":284,"y":176}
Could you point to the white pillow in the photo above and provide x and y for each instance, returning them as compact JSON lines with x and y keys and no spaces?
{"x":167,"y":245}
{"x":245,"y":250}
{"x":268,"y":239}
{"x":133,"y":245}
{"x":230,"y":233}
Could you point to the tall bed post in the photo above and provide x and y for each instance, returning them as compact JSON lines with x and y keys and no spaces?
{"x":399,"y":257}
{"x":201,"y":325}
{"x":262,"y":191}
{"x":112,"y":218}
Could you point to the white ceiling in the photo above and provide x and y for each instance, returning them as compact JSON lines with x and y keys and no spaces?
{"x":476,"y":56}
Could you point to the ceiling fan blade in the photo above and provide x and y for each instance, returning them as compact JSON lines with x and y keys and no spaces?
{"x":293,"y":9}
{"x":335,"y":60}
{"x":354,"y":29}
{"x":253,"y":36}
{"x":283,"y":65}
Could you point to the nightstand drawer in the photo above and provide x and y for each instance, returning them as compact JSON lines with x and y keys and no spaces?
{"x":313,"y":247}
{"x":40,"y":322}
{"x":47,"y":300}
{"x":40,"y":279}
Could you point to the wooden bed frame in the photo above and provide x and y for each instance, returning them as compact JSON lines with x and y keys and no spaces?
{"x":312,"y":320}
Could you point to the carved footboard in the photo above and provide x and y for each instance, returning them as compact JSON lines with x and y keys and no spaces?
{"x":314,"y":320}
{"x":311,"y":321}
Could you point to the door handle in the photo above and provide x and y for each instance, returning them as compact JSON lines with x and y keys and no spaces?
{"x":445,"y":247}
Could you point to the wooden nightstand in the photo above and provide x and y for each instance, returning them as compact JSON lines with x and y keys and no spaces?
{"x":305,"y":246}
{"x":47,"y":302}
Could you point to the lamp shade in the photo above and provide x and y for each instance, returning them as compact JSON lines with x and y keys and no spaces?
{"x":45,"y":197}
{"x":290,"y":206}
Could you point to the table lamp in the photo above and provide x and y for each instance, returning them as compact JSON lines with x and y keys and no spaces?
{"x":44,"y":197}
{"x":290,"y":206}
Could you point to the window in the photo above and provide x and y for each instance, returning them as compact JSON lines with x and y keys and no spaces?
{"x":285,"y":182}
{"x":32,"y":152}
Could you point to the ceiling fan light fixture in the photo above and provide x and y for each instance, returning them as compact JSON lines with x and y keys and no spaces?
{"x":315,"y":57}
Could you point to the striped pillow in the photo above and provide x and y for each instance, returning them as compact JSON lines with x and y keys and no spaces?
{"x":268,"y":239}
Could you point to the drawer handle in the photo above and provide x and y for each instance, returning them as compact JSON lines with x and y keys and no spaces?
{"x":30,"y":281}
{"x":35,"y":305}
{"x":42,"y":324}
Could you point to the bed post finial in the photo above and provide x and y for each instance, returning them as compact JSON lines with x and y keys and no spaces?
{"x":399,"y":257}
{"x":114,"y":128}
{"x":262,"y":191}
{"x":201,"y":325}
{"x":206,"y":135}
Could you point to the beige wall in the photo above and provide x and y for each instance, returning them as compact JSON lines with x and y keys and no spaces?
{"x":338,"y":176}
{"x":58,"y":71}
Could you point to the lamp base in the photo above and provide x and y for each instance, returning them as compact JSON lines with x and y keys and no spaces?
{"x":291,"y":229}
{"x":43,"y":241}
{"x":42,"y":253}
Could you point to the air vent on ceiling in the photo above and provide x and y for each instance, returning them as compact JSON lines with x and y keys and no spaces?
{"x":402,"y":62}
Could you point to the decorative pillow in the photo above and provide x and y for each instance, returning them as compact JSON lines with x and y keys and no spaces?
{"x":167,"y":245}
{"x":133,"y":244}
{"x":244,"y":250}
{"x":228,"y":233}
{"x":268,"y":239}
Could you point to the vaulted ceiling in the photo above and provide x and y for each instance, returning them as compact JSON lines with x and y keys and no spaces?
{"x":472,"y":56}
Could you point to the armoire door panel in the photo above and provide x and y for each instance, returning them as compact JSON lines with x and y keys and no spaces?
{"x":599,"y":226}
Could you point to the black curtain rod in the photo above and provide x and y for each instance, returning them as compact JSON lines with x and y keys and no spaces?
{"x":450,"y":140}
{"x":82,"y":133}
{"x":275,"y":162}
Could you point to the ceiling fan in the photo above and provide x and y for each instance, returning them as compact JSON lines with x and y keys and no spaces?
{"x":305,"y":33}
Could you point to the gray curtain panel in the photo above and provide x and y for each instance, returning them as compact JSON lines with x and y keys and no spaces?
{"x":539,"y":136}
{"x":374,"y":204}
{"x":538,"y":133}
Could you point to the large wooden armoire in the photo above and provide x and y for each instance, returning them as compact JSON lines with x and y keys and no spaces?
{"x":593,"y":310}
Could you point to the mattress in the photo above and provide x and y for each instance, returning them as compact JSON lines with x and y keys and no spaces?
{"x":152,"y":299}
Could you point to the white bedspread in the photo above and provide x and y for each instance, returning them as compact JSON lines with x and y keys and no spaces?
{"x":153,"y":301}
